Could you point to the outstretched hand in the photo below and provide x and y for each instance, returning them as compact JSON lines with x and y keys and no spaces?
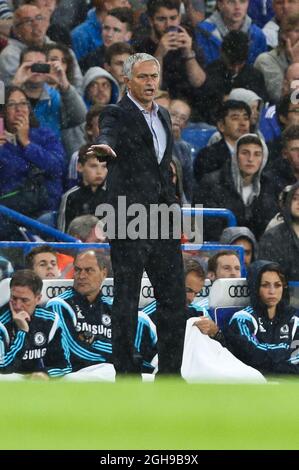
{"x":102,"y":152}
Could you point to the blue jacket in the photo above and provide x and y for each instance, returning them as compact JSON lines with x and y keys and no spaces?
{"x":260,"y":11}
{"x":210,"y":39}
{"x":48,"y":110}
{"x":46,"y":153}
{"x":87,"y":36}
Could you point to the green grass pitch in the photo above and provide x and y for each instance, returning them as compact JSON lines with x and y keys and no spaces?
{"x":169,"y":414}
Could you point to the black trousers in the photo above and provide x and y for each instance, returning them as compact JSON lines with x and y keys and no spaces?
{"x":162,"y":260}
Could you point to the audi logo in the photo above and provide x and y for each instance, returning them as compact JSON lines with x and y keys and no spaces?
{"x":238,"y":291}
{"x":148,"y":292}
{"x":107,"y":291}
{"x":53,"y":291}
{"x":205,"y":292}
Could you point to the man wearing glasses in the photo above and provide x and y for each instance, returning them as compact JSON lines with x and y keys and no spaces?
{"x":29,"y":29}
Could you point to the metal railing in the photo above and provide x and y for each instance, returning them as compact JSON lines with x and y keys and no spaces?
{"x":37,"y":226}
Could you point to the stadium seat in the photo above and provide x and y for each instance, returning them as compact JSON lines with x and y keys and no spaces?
{"x":226,"y":297}
{"x":197,"y":137}
{"x":54,"y":287}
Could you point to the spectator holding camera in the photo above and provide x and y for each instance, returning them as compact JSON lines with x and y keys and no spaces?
{"x":173,"y":46}
{"x":56,"y":108}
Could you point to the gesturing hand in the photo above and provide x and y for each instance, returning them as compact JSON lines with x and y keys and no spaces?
{"x":23,"y":74}
{"x":102,"y":152}
{"x":58,"y":76}
{"x":22,"y":129}
{"x":206,"y":326}
{"x":21,"y":318}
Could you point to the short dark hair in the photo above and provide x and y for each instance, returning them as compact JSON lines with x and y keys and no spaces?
{"x":290,"y":133}
{"x":82,"y":154}
{"x":154,"y":5}
{"x":231,"y":105}
{"x":282,"y":107}
{"x":235,"y":47}
{"x":116,"y":49}
{"x":192,"y":265}
{"x":213,"y":261}
{"x":124,"y":15}
{"x":101,"y":262}
{"x":276,"y":268}
{"x":249,"y":139}
{"x":69,"y":60}
{"x":27,"y":278}
{"x":29,"y":259}
{"x":40,"y":49}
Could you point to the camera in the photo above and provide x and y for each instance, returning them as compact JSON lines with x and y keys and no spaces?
{"x":40,"y":68}
{"x":173,"y":29}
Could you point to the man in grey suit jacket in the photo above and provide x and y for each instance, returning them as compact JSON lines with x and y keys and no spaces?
{"x":136,"y":141}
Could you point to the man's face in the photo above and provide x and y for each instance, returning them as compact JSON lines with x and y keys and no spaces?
{"x":235,"y":124}
{"x":114,"y":31}
{"x":36,"y":58}
{"x":255,"y":112}
{"x":293,"y":115}
{"x":250,"y":157}
{"x":31,"y":25}
{"x":291,"y":153}
{"x":295,"y":205}
{"x":99,"y":91}
{"x":291,"y":79}
{"x":193,"y":285}
{"x":47,"y":7}
{"x":285,"y":8}
{"x":22,"y":298}
{"x":233,"y":11}
{"x":164,"y":18}
{"x":93,"y":172}
{"x":45,"y":266}
{"x":116,"y":67}
{"x":292,"y":35}
{"x":227,"y":266}
{"x":180,"y":113}
{"x":144,"y":82}
{"x":248,"y":249}
{"x":88,"y":277}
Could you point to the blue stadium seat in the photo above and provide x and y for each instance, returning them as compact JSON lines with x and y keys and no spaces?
{"x":223,"y":315}
{"x":197,"y":137}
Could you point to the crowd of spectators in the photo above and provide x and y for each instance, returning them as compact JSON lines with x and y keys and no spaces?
{"x":229,"y":74}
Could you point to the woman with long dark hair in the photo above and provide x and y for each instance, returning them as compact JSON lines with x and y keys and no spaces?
{"x":266,"y":335}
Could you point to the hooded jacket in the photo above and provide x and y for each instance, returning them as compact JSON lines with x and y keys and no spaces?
{"x":224,"y":189}
{"x":246,"y":96}
{"x":281,"y":244}
{"x":267,"y":345}
{"x":210,"y":34}
{"x":99,"y":72}
{"x":231,"y":234}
